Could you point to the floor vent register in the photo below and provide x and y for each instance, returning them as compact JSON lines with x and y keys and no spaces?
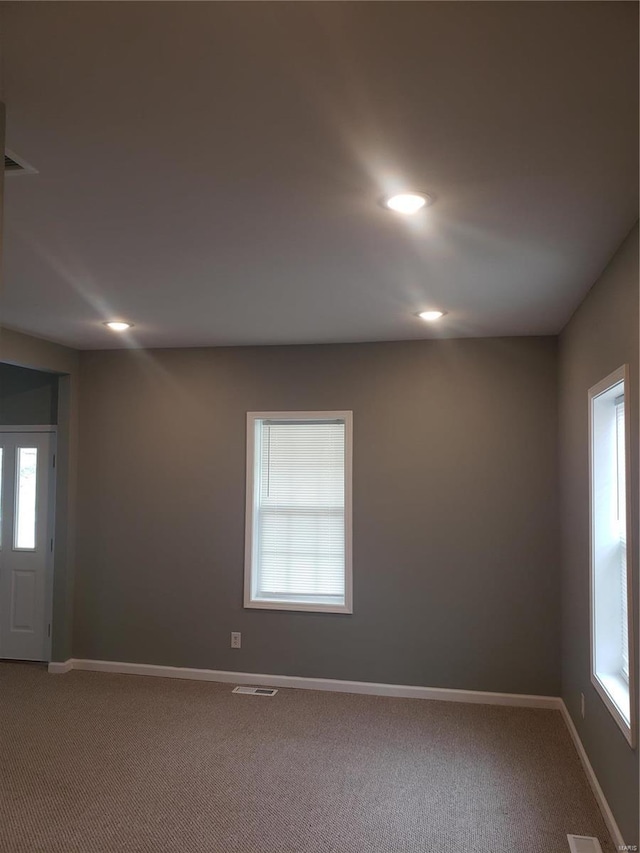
{"x":584,"y":844}
{"x":257,"y":691}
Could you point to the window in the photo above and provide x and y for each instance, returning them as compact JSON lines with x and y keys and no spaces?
{"x":611,"y":633}
{"x":24,"y":535}
{"x":298,"y":522}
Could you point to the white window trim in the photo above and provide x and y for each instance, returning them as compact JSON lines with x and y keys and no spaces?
{"x":607,"y":686}
{"x":249,"y":602}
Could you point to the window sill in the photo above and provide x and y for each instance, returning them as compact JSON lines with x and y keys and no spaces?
{"x":299,"y":606}
{"x":614,"y":692}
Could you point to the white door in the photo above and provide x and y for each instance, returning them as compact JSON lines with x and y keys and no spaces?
{"x":26,"y":543}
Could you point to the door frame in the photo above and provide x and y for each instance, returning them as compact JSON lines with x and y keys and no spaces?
{"x":52,"y":429}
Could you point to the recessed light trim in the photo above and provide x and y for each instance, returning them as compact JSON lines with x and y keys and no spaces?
{"x":407,"y":203}
{"x":430,"y":316}
{"x":118,"y":325}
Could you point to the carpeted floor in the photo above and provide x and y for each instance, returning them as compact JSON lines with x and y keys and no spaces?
{"x":93,"y":762}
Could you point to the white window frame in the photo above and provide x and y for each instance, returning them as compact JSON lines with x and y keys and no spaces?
{"x":249,"y":600}
{"x":611,"y":688}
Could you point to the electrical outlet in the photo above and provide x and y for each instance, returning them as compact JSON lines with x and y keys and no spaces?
{"x":582,"y":705}
{"x":236,"y":640}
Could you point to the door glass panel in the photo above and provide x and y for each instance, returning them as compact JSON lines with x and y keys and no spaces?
{"x":24,"y":536}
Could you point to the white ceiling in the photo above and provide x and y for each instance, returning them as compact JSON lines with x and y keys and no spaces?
{"x":211,"y":171}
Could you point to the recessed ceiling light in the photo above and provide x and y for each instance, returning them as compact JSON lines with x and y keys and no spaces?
{"x":431,"y":315}
{"x":118,"y":326}
{"x":407,"y":203}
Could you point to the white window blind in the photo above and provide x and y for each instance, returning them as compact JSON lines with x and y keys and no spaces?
{"x":622,"y":533}
{"x":298,"y":553}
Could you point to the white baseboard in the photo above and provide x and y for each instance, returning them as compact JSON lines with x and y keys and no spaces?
{"x":58,"y":668}
{"x":335,"y":685}
{"x":607,"y":814}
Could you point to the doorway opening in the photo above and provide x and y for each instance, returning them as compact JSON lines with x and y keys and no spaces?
{"x":28,"y":439}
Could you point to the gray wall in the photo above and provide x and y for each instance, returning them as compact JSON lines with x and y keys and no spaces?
{"x":602,"y":335}
{"x":2,"y":136}
{"x":27,"y":396}
{"x":456,"y":537}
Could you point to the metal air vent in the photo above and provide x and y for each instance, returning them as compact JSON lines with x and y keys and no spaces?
{"x":14,"y":165}
{"x":255,"y":691}
{"x":584,"y":844}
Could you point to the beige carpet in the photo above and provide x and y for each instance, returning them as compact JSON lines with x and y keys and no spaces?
{"x":92,"y":762}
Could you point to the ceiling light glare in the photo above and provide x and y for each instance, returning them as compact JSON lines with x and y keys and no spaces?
{"x":430,"y":316}
{"x":407,"y":203}
{"x":118,"y":325}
